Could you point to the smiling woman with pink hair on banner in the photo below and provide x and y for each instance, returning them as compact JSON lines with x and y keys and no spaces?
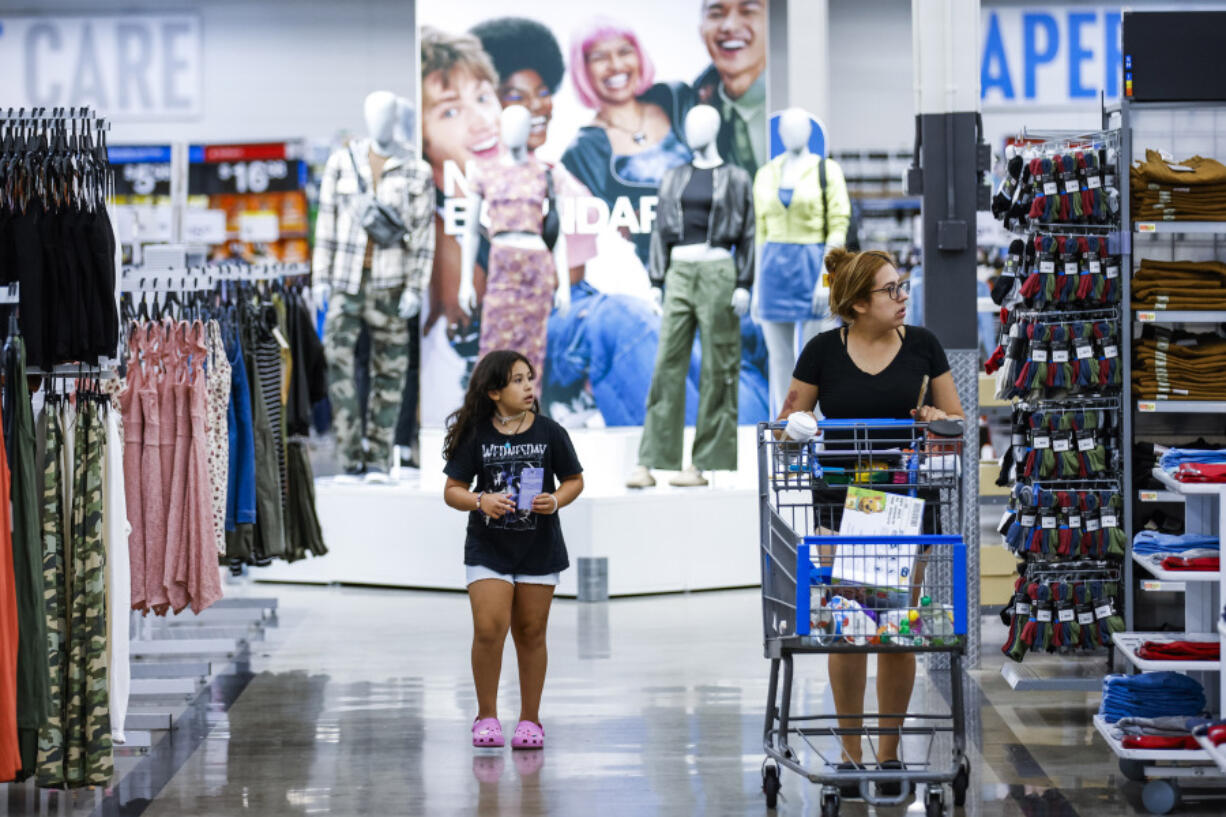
{"x":636,"y":133}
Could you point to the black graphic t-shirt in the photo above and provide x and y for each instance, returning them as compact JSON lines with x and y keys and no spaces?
{"x":521,"y":542}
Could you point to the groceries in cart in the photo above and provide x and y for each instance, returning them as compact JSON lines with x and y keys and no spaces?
{"x":835,"y":615}
{"x":868,"y":592}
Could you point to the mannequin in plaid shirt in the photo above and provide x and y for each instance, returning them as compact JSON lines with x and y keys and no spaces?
{"x":365,"y":284}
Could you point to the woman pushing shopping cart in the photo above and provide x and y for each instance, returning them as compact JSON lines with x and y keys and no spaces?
{"x":860,"y":548}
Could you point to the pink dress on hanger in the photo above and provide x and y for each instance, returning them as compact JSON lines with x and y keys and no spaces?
{"x":152,"y":492}
{"x":133,"y":431}
{"x":173,"y":569}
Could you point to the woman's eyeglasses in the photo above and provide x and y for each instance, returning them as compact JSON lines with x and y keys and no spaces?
{"x":896,"y":291}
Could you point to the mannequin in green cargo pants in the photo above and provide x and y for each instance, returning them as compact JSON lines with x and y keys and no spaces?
{"x":702,"y":253}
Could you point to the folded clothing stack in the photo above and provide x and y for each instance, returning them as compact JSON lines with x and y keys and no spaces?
{"x":1151,"y":695}
{"x":1191,"y":190}
{"x":1193,"y":561}
{"x":1160,"y":733}
{"x":1179,"y":285}
{"x":1179,"y":366}
{"x":1180,"y":651}
{"x":1168,"y":544}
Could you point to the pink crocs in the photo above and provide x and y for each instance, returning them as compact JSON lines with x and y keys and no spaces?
{"x":528,"y":735}
{"x":487,"y":732}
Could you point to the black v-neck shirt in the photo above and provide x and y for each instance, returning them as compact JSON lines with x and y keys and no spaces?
{"x":846,"y":392}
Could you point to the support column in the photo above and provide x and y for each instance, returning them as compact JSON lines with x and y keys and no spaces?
{"x":947,"y":177}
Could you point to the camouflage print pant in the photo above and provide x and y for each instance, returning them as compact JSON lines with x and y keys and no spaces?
{"x":55,"y":592}
{"x":80,"y":690}
{"x":389,"y":360}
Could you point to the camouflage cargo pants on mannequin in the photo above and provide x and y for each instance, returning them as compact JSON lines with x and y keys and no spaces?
{"x":389,"y":360}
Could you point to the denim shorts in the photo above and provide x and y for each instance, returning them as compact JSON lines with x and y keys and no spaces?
{"x":475,"y":573}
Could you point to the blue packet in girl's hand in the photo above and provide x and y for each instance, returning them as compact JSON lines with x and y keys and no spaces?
{"x":531,"y":484}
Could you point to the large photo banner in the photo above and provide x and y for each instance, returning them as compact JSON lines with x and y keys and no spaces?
{"x":608,"y":94}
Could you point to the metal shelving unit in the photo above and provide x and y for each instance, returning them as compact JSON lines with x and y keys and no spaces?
{"x":1186,"y":128}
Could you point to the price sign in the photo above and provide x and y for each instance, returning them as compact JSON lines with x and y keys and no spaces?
{"x":256,"y":176}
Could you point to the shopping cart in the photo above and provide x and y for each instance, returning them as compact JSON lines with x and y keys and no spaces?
{"x":826,"y":593}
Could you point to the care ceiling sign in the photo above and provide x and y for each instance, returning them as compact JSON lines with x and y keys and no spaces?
{"x":132,"y":67}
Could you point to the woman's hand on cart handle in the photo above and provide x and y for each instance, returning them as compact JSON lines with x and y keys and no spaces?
{"x":801,"y":426}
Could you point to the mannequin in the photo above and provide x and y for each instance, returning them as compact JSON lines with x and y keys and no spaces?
{"x":368,"y":285}
{"x":701,"y":268}
{"x":793,"y":232}
{"x":522,"y":283}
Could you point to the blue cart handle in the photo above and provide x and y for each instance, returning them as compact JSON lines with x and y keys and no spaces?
{"x":880,"y":423}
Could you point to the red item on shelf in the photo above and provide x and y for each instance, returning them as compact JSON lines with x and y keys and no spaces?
{"x":1180,"y":651}
{"x":1200,"y":472}
{"x":1160,"y":742}
{"x":1200,"y":563}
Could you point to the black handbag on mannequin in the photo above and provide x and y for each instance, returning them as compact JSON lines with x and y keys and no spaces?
{"x":552,"y":225}
{"x":382,"y":224}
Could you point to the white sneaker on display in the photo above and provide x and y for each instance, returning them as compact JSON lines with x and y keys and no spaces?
{"x":640,"y":477}
{"x":691,"y":477}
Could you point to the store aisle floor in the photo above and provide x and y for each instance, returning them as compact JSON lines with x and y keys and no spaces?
{"x":360,"y":703}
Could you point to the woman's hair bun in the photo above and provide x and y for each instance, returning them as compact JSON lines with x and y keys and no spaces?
{"x":835,"y":258}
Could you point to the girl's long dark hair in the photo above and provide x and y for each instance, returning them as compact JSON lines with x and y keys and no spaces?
{"x":493,"y":372}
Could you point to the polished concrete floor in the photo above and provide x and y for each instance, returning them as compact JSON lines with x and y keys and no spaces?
{"x":360,"y":703}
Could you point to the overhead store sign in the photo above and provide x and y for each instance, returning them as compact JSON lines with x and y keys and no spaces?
{"x":1049,"y":55}
{"x":134,"y":67}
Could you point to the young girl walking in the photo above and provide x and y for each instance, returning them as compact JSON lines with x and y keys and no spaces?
{"x":525,"y":470}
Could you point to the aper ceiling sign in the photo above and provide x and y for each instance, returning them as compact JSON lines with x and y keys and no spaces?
{"x":134,"y":67}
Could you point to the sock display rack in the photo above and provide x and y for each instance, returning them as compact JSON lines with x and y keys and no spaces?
{"x":1059,"y":360}
{"x":1163,"y":410}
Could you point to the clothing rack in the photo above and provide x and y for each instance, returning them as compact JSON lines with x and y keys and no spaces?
{"x":1079,"y":484}
{"x":1087,"y":568}
{"x":73,"y":371}
{"x":1106,"y":313}
{"x":1072,"y":405}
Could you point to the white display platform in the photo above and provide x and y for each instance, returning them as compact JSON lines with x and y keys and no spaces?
{"x":657,"y":540}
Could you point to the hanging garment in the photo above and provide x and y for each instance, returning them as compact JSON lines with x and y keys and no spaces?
{"x":133,"y":443}
{"x":269,"y":371}
{"x":177,"y":542}
{"x":32,"y":666}
{"x":199,"y":571}
{"x":303,"y":532}
{"x":87,"y":725}
{"x":116,"y":532}
{"x":270,"y":519}
{"x":152,"y":483}
{"x":55,"y":578}
{"x":218,"y":379}
{"x":10,"y":749}
{"x":240,"y":492}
